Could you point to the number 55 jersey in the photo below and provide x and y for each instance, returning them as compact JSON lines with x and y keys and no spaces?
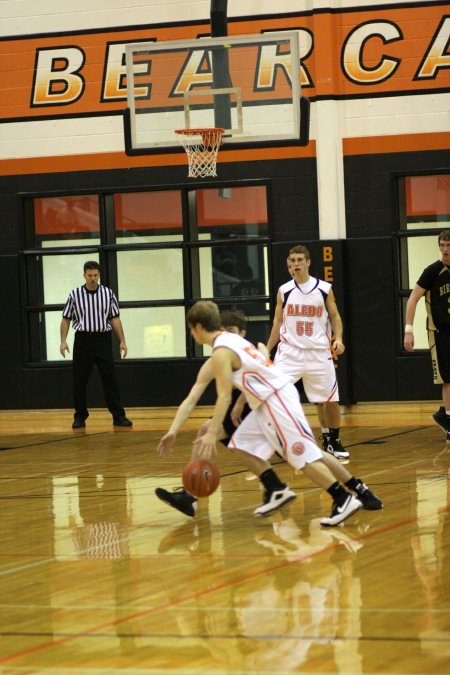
{"x":306,"y":324}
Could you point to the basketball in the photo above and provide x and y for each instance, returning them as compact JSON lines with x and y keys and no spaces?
{"x":201,"y":477}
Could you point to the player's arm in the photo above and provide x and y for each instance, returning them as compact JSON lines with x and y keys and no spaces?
{"x":416,"y":293}
{"x":336,"y":323}
{"x":63,"y":331}
{"x":222,"y":366}
{"x":204,"y":377}
{"x":274,"y":336}
{"x":236,"y":412}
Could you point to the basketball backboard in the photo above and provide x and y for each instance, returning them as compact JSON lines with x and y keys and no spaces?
{"x":247,"y":84}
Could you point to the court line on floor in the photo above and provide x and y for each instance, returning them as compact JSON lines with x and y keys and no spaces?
{"x":381,"y":438}
{"x":214,"y":608}
{"x":86,"y":434}
{"x":57,"y":440}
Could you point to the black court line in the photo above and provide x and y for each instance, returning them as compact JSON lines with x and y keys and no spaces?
{"x":54,"y":440}
{"x":234,"y":636}
{"x":99,"y":433}
{"x":381,"y":438}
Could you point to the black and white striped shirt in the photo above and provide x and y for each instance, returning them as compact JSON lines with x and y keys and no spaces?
{"x":91,"y":311}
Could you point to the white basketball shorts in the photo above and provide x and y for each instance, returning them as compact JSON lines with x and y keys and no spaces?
{"x":278,"y":424}
{"x":314,"y":367}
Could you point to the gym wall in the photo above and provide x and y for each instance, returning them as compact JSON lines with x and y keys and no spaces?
{"x":377,"y":76}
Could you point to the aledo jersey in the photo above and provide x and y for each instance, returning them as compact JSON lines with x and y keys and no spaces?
{"x":256,"y":377}
{"x":306,"y":323}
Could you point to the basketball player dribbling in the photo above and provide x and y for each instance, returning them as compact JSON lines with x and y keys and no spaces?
{"x":180,"y":499}
{"x":276,"y":493}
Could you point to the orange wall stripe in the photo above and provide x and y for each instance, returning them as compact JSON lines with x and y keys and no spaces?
{"x":406,"y":143}
{"x":118,"y":160}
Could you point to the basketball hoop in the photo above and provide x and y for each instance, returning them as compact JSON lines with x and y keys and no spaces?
{"x":202,"y":146}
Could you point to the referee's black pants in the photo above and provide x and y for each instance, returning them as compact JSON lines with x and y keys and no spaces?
{"x":90,"y":349}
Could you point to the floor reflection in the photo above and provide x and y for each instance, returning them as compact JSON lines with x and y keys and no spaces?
{"x":278,"y":594}
{"x":431,"y":553}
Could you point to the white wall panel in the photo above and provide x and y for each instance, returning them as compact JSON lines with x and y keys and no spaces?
{"x":367,"y":117}
{"x":61,"y":137}
{"x":396,"y":115}
{"x":25,"y":17}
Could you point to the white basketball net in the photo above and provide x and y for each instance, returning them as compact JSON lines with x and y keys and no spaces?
{"x":202,"y":146}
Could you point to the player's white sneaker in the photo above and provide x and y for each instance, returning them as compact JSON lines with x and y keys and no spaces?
{"x":274,"y":500}
{"x":341,"y":513}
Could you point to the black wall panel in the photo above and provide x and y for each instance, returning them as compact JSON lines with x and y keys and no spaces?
{"x":11,"y":388}
{"x":370,"y":188}
{"x":293,"y":211}
{"x":363,"y":268}
{"x":294,"y":202}
{"x":415,"y":378}
{"x":380,"y":369}
{"x":141,"y":384}
{"x":371,"y":325}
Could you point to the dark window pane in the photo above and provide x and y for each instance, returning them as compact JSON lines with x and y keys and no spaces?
{"x":148,"y":217}
{"x":228,"y":212}
{"x":428,"y":196}
{"x":62,"y":221}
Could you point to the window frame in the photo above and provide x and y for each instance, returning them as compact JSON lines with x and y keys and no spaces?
{"x":107,"y":254}
{"x":402,"y":237}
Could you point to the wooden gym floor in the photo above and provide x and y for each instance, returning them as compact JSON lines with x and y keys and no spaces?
{"x":98,"y":576}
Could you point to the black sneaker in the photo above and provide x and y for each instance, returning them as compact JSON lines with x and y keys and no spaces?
{"x":325,"y":440}
{"x":122,"y":421}
{"x":335,"y":447}
{"x":179,"y":499}
{"x":368,"y":499}
{"x":341,"y":513}
{"x":442,"y":420}
{"x":78,"y":422}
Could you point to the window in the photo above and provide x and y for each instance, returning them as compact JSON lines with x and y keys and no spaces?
{"x":159,"y":251}
{"x":424,"y":213}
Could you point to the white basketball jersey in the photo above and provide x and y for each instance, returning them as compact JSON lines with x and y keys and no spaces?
{"x":306,"y":323}
{"x":256,"y":377}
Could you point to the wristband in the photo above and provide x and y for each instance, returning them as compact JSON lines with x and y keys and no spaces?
{"x":409,"y":328}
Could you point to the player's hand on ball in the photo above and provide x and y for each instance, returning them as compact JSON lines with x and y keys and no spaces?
{"x":204,"y":447}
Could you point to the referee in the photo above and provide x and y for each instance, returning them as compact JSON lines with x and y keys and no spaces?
{"x":94,"y":311}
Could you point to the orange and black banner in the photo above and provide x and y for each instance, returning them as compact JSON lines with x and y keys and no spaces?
{"x":381,"y":51}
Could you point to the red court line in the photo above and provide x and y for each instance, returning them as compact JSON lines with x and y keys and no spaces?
{"x":208,"y":591}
